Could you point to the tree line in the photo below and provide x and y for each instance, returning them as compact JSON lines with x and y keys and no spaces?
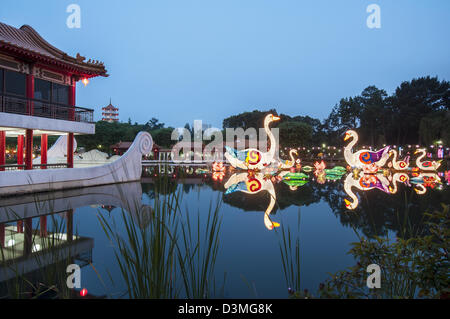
{"x":107,"y":134}
{"x":416,"y":113}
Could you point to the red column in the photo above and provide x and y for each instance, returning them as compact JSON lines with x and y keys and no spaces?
{"x":2,"y":235}
{"x":72,"y":91}
{"x":43,"y":226}
{"x":30,"y":91}
{"x":70,"y":150}
{"x":20,"y":150}
{"x":20,"y":226}
{"x":71,"y":117}
{"x":44,"y":139}
{"x":29,"y":149}
{"x":2,"y":149}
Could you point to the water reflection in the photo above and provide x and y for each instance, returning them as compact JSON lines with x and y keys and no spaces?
{"x":253,"y":184}
{"x":388,"y":183}
{"x":37,"y":238}
{"x":363,"y":183}
{"x":386,"y":202}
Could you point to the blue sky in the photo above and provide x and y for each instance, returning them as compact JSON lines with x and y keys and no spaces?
{"x":208,"y":59}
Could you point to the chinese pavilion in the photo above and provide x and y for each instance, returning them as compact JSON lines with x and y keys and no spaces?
{"x":37,"y":94}
{"x":110,"y":113}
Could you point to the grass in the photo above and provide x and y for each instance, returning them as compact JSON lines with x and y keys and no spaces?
{"x":146,"y":255}
{"x":290,"y":256}
{"x":173,"y":255}
{"x":197,"y":252}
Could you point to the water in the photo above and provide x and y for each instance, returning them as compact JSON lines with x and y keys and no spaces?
{"x":249,"y":253}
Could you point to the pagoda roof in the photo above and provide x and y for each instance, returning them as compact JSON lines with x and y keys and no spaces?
{"x":110,"y":107}
{"x":27,"y":44}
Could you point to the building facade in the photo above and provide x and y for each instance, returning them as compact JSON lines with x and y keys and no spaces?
{"x":38,"y":94}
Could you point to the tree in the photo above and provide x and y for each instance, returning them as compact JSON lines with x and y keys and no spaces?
{"x":163,"y":136}
{"x":247,"y":120}
{"x":415,"y":100}
{"x":294,"y":134}
{"x":344,"y":116}
{"x":373,"y":115}
{"x":153,"y":124}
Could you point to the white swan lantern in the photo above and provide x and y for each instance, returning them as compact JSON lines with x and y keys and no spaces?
{"x":363,"y":158}
{"x":254,"y":159}
{"x":426,"y":165}
{"x":399,"y":165}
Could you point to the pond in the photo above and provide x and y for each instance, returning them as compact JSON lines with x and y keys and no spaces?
{"x":231,"y":235}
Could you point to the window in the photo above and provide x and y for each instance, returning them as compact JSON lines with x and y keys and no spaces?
{"x":52,"y":92}
{"x":14,"y":83}
{"x":42,"y":90}
{"x":60,"y":93}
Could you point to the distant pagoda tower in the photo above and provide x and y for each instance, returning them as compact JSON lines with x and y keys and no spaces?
{"x":110,"y":113}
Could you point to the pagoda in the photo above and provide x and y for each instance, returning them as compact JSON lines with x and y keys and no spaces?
{"x":110,"y":113}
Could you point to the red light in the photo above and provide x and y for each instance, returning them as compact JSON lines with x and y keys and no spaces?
{"x":83,"y":292}
{"x":85,"y":81}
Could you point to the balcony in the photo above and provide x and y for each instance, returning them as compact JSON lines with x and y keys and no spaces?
{"x":34,"y":107}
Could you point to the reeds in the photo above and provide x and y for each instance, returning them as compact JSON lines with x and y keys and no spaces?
{"x":173,"y":255}
{"x":290,"y":256}
{"x":197,"y":253}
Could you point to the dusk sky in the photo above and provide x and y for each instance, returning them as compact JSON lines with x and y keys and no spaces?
{"x":190,"y":59}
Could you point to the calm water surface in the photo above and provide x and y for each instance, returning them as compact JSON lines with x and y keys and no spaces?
{"x":249,"y":253}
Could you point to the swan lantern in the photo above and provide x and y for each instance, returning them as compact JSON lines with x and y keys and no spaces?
{"x":363,"y":158}
{"x":252,"y":158}
{"x":426,"y":165}
{"x":399,"y":165}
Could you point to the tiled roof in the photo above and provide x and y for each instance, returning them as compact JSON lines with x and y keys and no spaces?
{"x":110,"y":107}
{"x":27,"y":42}
{"x":122,"y":145}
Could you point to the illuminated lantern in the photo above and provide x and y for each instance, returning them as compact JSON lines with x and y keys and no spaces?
{"x":363,"y":157}
{"x":320,"y":166}
{"x":218,"y":176}
{"x":253,"y":158}
{"x":85,"y":81}
{"x":83,"y":292}
{"x":426,"y":165}
{"x":218,"y":167}
{"x":399,"y":165}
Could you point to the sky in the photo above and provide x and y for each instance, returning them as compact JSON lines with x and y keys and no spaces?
{"x":182,"y":60}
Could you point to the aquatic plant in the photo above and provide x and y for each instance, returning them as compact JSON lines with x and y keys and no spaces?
{"x":197,"y":252}
{"x":290,"y":256}
{"x":146,"y":255}
{"x":171,"y":256}
{"x":417,"y":267}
